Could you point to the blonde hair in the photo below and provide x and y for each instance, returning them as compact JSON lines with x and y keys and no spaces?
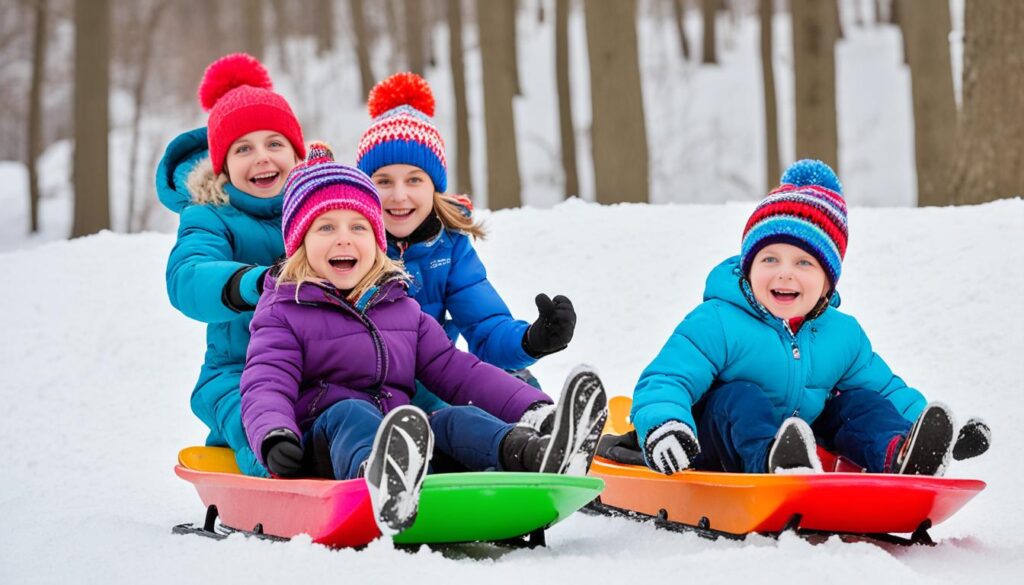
{"x":452,"y":216}
{"x":296,"y":269}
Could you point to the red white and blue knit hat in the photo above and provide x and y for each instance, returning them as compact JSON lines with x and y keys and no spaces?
{"x":319,"y":185}
{"x":237,"y":91}
{"x":402,"y":131}
{"x":808,"y":211}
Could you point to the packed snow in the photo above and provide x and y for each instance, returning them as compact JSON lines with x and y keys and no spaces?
{"x":98,"y":368}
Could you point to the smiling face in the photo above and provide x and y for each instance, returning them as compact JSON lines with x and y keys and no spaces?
{"x":788,"y":281}
{"x":259,"y":162}
{"x":407,"y":195}
{"x":340,"y":247}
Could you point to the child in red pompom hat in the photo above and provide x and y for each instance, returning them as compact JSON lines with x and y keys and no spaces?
{"x":226,"y":182}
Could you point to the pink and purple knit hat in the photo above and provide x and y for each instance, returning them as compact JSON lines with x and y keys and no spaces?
{"x":402,"y":131}
{"x":319,"y":185}
{"x":237,"y":91}
{"x":808,"y":211}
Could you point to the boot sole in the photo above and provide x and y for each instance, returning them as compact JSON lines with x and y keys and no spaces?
{"x":930,"y":442}
{"x":794,"y":448}
{"x":397,"y":465}
{"x":579,"y":418}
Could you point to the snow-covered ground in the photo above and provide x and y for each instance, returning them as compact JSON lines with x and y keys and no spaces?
{"x":97,"y":369}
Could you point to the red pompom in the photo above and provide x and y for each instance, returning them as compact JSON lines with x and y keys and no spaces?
{"x":401,"y":89}
{"x":229,"y":72}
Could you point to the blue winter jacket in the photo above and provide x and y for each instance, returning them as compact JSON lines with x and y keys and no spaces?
{"x":730,"y":337}
{"x":448,"y":276}
{"x":215,"y":243}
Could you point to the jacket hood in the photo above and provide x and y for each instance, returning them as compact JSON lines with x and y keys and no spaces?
{"x":726,"y":283}
{"x":180,"y":158}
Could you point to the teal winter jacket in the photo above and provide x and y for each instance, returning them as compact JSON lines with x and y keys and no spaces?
{"x":731,"y":337}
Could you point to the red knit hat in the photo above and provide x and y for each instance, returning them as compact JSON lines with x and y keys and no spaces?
{"x":237,"y":91}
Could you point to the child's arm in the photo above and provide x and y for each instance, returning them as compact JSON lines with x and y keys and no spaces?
{"x":461,"y":378}
{"x":869,"y":371}
{"x":203,"y":280}
{"x":481,"y":315}
{"x":271,"y":379}
{"x":681,"y":373}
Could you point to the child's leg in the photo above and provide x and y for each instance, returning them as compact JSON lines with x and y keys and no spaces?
{"x":470,"y":436}
{"x":219,"y":405}
{"x":341,"y":438}
{"x":860,"y":425}
{"x":735,"y":429}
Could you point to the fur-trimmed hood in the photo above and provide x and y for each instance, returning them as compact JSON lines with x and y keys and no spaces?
{"x":185,"y":174}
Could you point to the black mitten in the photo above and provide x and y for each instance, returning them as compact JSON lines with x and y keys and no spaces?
{"x":973,"y":440}
{"x":671,"y":447}
{"x":553,"y":329}
{"x":283,"y":453}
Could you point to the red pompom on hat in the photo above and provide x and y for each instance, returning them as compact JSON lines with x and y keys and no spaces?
{"x":401,"y":89}
{"x":237,"y":91}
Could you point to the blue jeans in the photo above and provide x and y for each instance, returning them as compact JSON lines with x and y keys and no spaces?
{"x":341,"y":438}
{"x":859,"y":425}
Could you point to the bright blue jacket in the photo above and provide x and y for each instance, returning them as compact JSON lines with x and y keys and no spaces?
{"x":215,"y":243}
{"x":448,"y":277}
{"x":730,"y":336}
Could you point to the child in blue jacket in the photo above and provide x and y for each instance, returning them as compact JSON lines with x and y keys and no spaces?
{"x":767,"y":362}
{"x":429,"y":232}
{"x":225,"y":181}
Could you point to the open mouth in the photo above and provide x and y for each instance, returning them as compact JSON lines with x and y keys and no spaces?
{"x":784,"y":296}
{"x":343,"y":263}
{"x":265,"y":179}
{"x":399,"y":213}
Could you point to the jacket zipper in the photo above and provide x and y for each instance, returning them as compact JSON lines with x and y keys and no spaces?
{"x":381,"y":349}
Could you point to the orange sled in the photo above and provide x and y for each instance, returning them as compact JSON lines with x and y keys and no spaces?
{"x":732,"y":505}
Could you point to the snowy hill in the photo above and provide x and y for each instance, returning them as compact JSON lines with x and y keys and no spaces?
{"x":97,"y":371}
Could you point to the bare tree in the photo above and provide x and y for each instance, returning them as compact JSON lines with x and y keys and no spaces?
{"x":324,"y":27}
{"x":618,"y":134}
{"x":464,"y":173}
{"x":511,"y":8}
{"x":991,"y":144}
{"x":35,"y":109}
{"x":710,"y":11}
{"x":252,"y":27}
{"x":147,"y":40}
{"x":361,"y":45}
{"x":565,"y":125}
{"x":92,"y":94}
{"x":679,"y":12}
{"x":771,"y":122}
{"x":503,"y":183}
{"x":926,"y":30}
{"x":814,"y":37}
{"x":413,"y":13}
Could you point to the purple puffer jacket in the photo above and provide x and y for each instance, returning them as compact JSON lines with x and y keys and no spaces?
{"x":310,"y":351}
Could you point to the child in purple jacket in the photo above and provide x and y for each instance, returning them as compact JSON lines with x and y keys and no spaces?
{"x":337,"y":346}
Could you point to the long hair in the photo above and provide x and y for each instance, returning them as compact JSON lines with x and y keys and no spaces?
{"x":296,"y":269}
{"x":453,"y":216}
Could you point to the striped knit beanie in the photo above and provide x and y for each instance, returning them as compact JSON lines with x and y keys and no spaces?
{"x":402,"y":131}
{"x":237,"y":91}
{"x":808,"y":211}
{"x":319,"y":185}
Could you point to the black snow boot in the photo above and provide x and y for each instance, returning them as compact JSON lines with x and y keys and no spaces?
{"x":793,"y":448}
{"x":523,"y":449}
{"x":396,"y":467}
{"x":927,"y":449}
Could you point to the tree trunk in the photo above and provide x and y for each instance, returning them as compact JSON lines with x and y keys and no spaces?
{"x":814,"y":67}
{"x":35,"y":110}
{"x":896,"y":17}
{"x":511,"y":8}
{"x":926,"y":29}
{"x":414,"y":24}
{"x":398,"y":41}
{"x":282,"y":26}
{"x":148,"y":38}
{"x":771,"y":121}
{"x":362,"y":46}
{"x":679,"y":12}
{"x":565,"y":125}
{"x":462,"y":145}
{"x":991,"y":143}
{"x":324,"y":27}
{"x":252,"y":27}
{"x":618,"y":134}
{"x":503,"y":186}
{"x":92,"y":93}
{"x":709,"y":9}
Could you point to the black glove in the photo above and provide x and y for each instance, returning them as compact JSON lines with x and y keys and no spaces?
{"x":973,"y":440}
{"x":553,"y":328}
{"x":283,"y":453}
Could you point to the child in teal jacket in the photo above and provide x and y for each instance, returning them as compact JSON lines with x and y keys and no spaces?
{"x":225,"y":182}
{"x":767,"y":362}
